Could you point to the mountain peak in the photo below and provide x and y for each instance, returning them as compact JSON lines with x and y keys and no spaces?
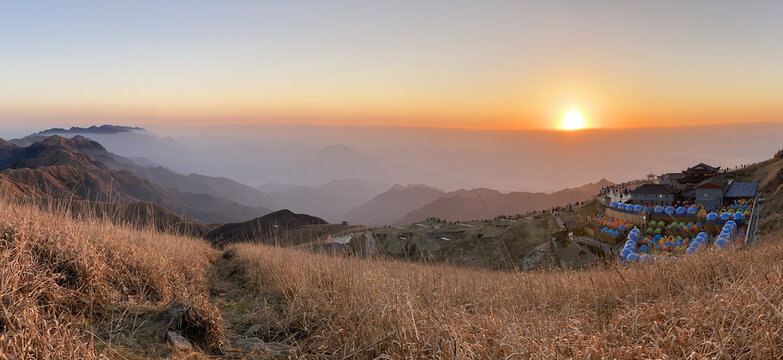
{"x":604,"y":182}
{"x":339,"y":149}
{"x":263,"y":228}
{"x":103,"y":129}
{"x":5,"y":144}
{"x":78,"y":142}
{"x":398,"y":187}
{"x":282,"y":212}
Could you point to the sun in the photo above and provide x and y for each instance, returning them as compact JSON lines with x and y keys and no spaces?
{"x":573,"y":120}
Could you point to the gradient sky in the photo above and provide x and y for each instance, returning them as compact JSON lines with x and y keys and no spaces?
{"x":461,"y":64}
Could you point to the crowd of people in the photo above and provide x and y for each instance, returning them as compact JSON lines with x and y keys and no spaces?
{"x":621,"y":190}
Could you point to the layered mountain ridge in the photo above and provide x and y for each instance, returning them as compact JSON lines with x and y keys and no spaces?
{"x":81,"y":169}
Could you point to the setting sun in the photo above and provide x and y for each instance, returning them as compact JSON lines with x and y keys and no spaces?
{"x":573,"y":120}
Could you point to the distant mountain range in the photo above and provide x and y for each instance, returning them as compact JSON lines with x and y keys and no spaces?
{"x":487,"y":204}
{"x":331,"y":200}
{"x":407,"y":204}
{"x":391,"y":206}
{"x":78,"y":168}
{"x":103,"y":129}
{"x":253,"y":163}
{"x":219,"y":187}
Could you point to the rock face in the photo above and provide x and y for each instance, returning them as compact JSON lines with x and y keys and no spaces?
{"x":178,"y":341}
{"x":252,"y":344}
{"x":256,"y":346}
{"x":172,"y":316}
{"x":169,"y":320}
{"x":253,"y":330}
{"x":278,"y":349}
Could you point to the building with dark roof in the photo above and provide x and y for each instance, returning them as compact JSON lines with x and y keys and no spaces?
{"x":711,"y":191}
{"x":671,"y":178}
{"x":702,"y":169}
{"x":654,"y":194}
{"x":686,"y":180}
{"x":742,"y":190}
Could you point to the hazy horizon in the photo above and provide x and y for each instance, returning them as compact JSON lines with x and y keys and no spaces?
{"x":450,"y":159}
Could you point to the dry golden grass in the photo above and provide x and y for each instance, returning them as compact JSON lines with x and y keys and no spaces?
{"x":63,"y":282}
{"x":724,"y":304}
{"x":61,"y":278}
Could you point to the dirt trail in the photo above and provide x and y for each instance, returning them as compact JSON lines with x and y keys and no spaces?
{"x":140,"y":332}
{"x":249,"y":315}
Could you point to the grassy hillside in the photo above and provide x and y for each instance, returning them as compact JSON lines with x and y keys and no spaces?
{"x":494,"y":244}
{"x":75,"y":289}
{"x":769,"y":175}
{"x":722,"y":304}
{"x":90,"y":289}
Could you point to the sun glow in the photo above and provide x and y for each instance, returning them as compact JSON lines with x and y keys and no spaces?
{"x":573,"y":120}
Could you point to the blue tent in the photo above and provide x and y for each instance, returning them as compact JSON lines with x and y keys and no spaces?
{"x":731,"y":223}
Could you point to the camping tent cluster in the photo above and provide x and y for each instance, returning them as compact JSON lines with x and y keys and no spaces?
{"x":630,"y":208}
{"x":605,"y":221}
{"x":680,"y":211}
{"x":738,"y":211}
{"x":675,"y":228}
{"x":648,"y":248}
{"x":731,"y":233}
{"x":631,"y":252}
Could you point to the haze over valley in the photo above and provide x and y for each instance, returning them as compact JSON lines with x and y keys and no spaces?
{"x":332,"y":172}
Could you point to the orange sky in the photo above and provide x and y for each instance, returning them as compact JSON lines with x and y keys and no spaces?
{"x":443,"y":64}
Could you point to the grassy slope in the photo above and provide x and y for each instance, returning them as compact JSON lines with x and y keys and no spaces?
{"x":495,"y":244}
{"x":719,"y":303}
{"x":769,"y":175}
{"x":63,"y":280}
